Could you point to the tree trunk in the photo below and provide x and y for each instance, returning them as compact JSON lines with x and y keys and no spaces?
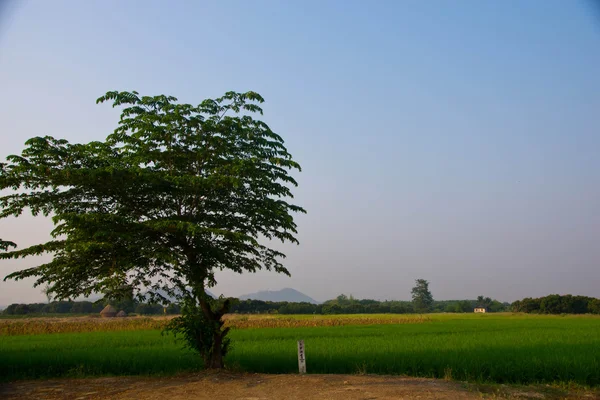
{"x":214,"y":358}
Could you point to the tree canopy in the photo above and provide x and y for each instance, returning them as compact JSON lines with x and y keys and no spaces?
{"x":174,"y":194}
{"x":421,"y":296}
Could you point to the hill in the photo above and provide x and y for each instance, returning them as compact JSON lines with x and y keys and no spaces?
{"x":97,"y":297}
{"x":173,"y":299}
{"x":287,"y":294}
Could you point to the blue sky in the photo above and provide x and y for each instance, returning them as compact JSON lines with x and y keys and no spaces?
{"x":453,"y":141}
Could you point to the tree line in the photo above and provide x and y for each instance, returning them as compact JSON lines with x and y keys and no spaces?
{"x":89,"y":307}
{"x":557,"y":304}
{"x":422,"y":302}
{"x":342,"y":304}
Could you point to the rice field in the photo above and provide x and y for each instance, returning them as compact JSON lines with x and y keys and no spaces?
{"x":478,"y":348}
{"x":41,"y":326}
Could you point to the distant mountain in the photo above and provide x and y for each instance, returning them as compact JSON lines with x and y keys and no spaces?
{"x":96,"y":297}
{"x":287,"y":294}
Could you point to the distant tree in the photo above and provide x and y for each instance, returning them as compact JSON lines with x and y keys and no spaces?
{"x":557,"y":304}
{"x":343,"y":300}
{"x":461,"y":306}
{"x":97,"y":307}
{"x":484,"y":302}
{"x":579,"y":305}
{"x":297,"y":308}
{"x":421,"y":296}
{"x":59,"y":307}
{"x":127,"y":305}
{"x":17,"y":309}
{"x":594,"y":306}
{"x":399,"y":308}
{"x":148,"y":309}
{"x":551,"y":304}
{"x":174,"y":194}
{"x":355,"y":308}
{"x":121,"y":297}
{"x":450,"y":308}
{"x":528,"y":305}
{"x":366,"y":302}
{"x":465,"y":306}
{"x":82,"y":307}
{"x":173,"y":309}
{"x":496,"y":306}
{"x":253,"y":306}
{"x":332,"y":309}
{"x":516,"y":306}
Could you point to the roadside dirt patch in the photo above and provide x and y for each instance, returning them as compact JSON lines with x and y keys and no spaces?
{"x":227,"y":386}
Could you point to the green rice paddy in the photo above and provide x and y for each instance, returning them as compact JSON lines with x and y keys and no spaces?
{"x":478,"y":348}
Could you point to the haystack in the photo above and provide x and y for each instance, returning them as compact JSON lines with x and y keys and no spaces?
{"x":108,"y":311}
{"x":121,"y":314}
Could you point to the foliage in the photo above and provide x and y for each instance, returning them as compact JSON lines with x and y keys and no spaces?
{"x":198,"y":331}
{"x":484,"y":302}
{"x":463,"y":306}
{"x":148,"y":309}
{"x":332,"y":309}
{"x":84,"y":307}
{"x":343,"y":304}
{"x":174,"y":194}
{"x":59,"y":307}
{"x":17,"y":309}
{"x":421,"y":296}
{"x":594,"y":306}
{"x":557,"y":304}
{"x":6,"y":245}
{"x":56,"y":307}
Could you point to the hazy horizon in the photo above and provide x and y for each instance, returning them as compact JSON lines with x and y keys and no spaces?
{"x":455,"y":142}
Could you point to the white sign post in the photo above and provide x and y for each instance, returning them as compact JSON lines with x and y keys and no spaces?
{"x":301,"y":357}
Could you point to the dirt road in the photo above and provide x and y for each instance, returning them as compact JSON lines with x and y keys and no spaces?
{"x":227,"y":386}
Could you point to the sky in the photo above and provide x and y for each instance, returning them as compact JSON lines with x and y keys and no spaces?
{"x":451,"y":141}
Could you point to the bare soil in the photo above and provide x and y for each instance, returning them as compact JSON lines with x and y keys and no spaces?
{"x":224,"y":385}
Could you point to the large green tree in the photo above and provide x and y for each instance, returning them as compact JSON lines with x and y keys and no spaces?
{"x":174,"y":194}
{"x":421,"y":296}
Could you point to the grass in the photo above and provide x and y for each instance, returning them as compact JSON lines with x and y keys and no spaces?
{"x":477,"y":348}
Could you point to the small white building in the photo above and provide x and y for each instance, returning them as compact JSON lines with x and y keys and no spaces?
{"x":480,"y":310}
